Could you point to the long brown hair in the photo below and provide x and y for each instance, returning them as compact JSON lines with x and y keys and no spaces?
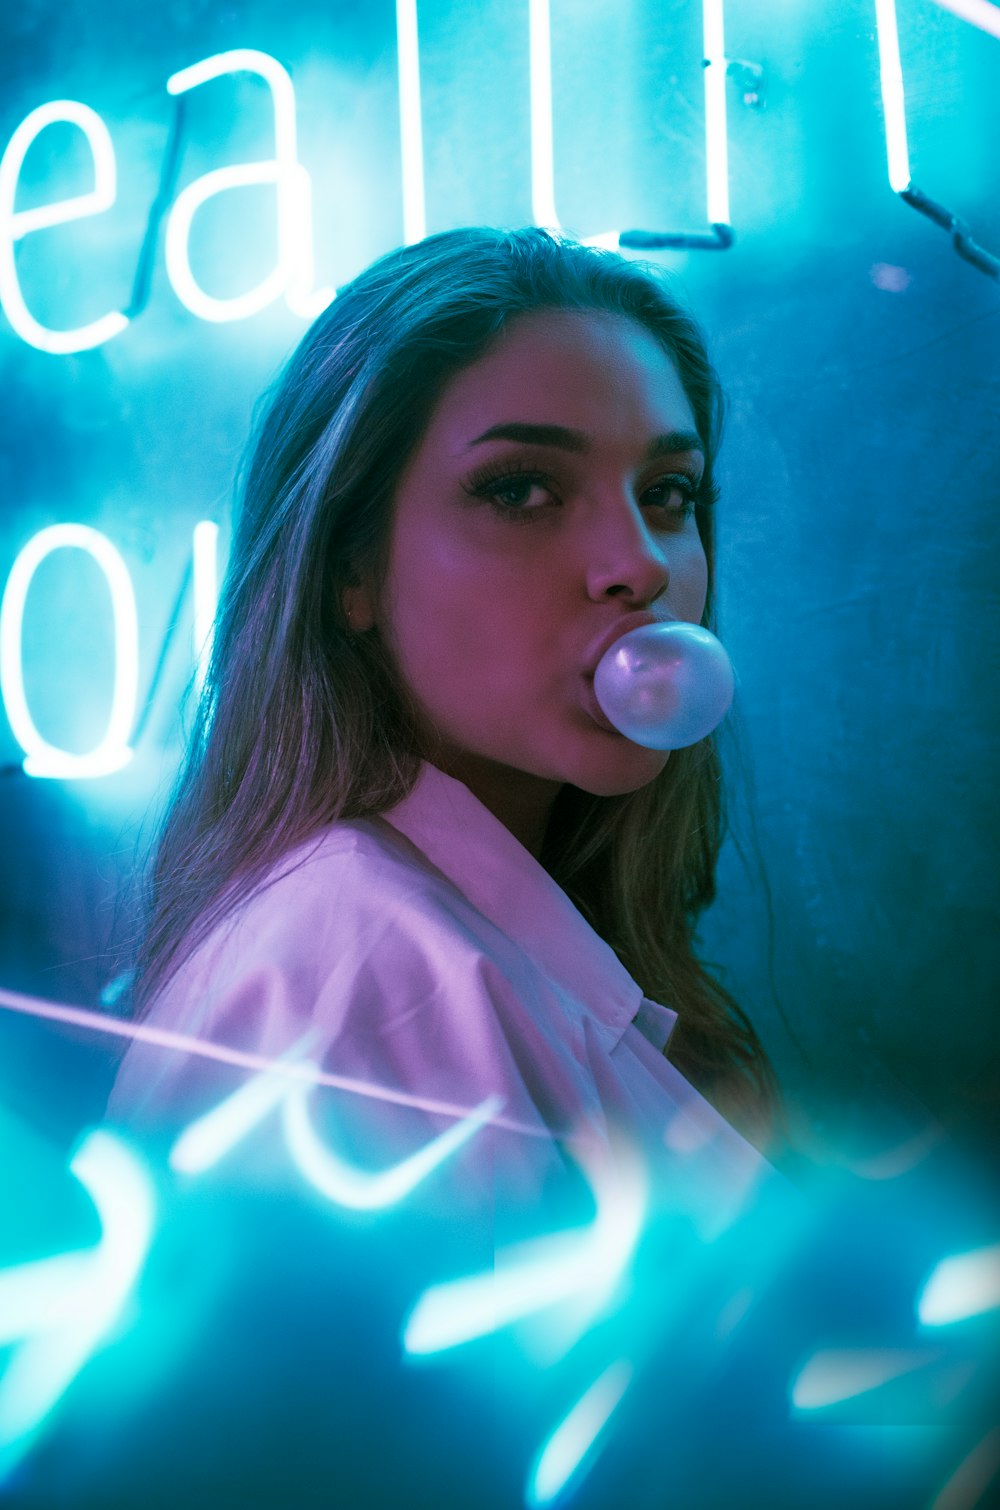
{"x":303,"y":722}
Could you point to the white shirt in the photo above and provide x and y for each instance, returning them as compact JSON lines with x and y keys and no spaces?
{"x":433,"y":957}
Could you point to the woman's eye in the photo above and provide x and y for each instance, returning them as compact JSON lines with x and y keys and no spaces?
{"x":510,"y":494}
{"x":516,"y":491}
{"x":677,"y":495}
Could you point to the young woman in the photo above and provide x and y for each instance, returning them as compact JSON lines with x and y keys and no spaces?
{"x":405,"y":828}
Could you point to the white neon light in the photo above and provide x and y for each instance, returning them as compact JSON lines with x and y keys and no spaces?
{"x":716,"y":130}
{"x":364,"y":1190}
{"x":981,"y":13}
{"x":16,"y":224}
{"x":967,"y":1284}
{"x":583,"y":1264}
{"x":574,"y":1437}
{"x":294,"y":274}
{"x":411,"y":131}
{"x":59,"y":1338}
{"x":220,"y":1053}
{"x":114,"y":752}
{"x":543,"y":197}
{"x":543,"y":185}
{"x":893,"y":101}
{"x":206,"y":594}
{"x":833,"y":1375}
{"x":210,"y":1137}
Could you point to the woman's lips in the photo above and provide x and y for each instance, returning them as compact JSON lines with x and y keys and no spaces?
{"x":594,"y":708}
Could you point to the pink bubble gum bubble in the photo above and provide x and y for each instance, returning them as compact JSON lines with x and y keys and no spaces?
{"x":665,"y":686}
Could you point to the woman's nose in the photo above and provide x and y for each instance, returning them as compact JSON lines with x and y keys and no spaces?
{"x":626,"y":560}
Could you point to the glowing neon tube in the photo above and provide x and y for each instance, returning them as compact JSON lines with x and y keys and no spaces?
{"x":16,"y":224}
{"x":293,"y":275}
{"x":411,"y":134}
{"x":113,"y":752}
{"x":893,"y":100}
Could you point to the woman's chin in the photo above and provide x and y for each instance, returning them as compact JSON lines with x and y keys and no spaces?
{"x":622,"y":768}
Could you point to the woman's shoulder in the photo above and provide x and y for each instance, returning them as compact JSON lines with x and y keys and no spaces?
{"x":353,"y":933}
{"x":350,"y":892}
{"x":355,"y":950}
{"x":352,"y":875}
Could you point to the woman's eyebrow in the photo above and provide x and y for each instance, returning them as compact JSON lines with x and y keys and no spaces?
{"x":674,"y":442}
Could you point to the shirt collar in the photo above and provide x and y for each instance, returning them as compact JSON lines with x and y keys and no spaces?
{"x":503,"y":881}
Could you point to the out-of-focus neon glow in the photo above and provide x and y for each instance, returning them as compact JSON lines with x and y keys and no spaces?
{"x":184,"y":1043}
{"x":362,"y":1190}
{"x":893,"y":101}
{"x":892,"y":1163}
{"x":58,"y":1341}
{"x":543,"y":190}
{"x":15,"y":224}
{"x":585,"y":1263}
{"x":294,"y":274}
{"x":40,"y":1295}
{"x":967,"y":1486}
{"x":205,"y":557}
{"x":716,"y":130}
{"x":411,"y":130}
{"x":981,"y":13}
{"x":574,"y":1437}
{"x":206,"y":1140}
{"x":42,"y":758}
{"x":833,"y":1375}
{"x":964,"y":1285}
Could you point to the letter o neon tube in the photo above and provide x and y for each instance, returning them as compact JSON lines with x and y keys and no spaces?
{"x":42,"y":758}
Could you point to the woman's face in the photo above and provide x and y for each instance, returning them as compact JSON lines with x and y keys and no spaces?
{"x":513,"y":556}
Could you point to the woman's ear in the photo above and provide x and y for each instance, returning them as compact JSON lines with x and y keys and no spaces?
{"x":359,"y":607}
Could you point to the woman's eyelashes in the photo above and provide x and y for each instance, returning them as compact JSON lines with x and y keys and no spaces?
{"x":507,"y":488}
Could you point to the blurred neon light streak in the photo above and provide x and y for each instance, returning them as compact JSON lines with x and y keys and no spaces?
{"x":363,"y":1190}
{"x":42,"y":1294}
{"x":833,"y":1375}
{"x":205,"y":544}
{"x":967,"y":1486}
{"x":981,"y":13}
{"x":411,"y":134}
{"x":16,"y":224}
{"x":210,"y":1137}
{"x":531,"y":1276}
{"x":574,"y":1437}
{"x":294,"y":274}
{"x":716,"y":146}
{"x":893,"y":100}
{"x":114,"y":752}
{"x":59,"y":1342}
{"x":141,"y":1032}
{"x":964,"y":1285}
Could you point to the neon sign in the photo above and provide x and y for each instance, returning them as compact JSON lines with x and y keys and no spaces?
{"x":293,"y":275}
{"x":113,"y":752}
{"x":16,"y":224}
{"x":894,"y":115}
{"x":292,"y":278}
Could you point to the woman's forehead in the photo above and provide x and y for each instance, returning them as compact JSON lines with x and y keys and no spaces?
{"x":591,"y":371}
